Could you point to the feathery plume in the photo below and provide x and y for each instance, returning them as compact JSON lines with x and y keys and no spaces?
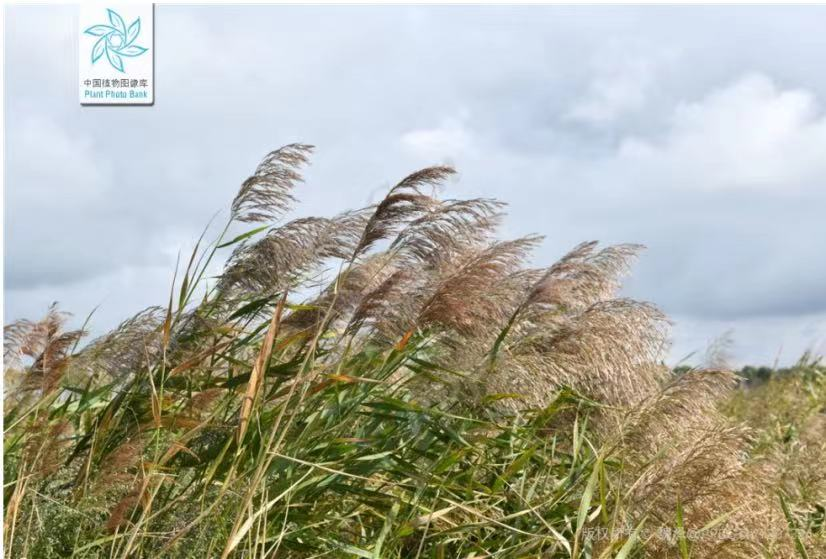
{"x":46,"y":344}
{"x":403,"y":203}
{"x":465,"y":296}
{"x":127,"y":348}
{"x":281,"y":257}
{"x":443,"y":230}
{"x":584,"y":276}
{"x":267,"y":194}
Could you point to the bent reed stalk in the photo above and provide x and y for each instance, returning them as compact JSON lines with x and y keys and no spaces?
{"x":430,"y":396}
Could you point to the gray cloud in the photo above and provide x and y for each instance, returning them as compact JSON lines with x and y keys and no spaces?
{"x":696,"y":131}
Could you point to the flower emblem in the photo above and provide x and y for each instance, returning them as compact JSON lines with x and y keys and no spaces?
{"x":116,"y":40}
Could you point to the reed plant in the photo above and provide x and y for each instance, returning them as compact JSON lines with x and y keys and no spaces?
{"x":393,"y":381}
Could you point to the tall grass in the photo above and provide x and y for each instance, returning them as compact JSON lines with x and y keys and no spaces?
{"x":432,"y":397}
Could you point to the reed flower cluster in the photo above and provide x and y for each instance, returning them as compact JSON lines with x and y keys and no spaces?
{"x":391,"y":381}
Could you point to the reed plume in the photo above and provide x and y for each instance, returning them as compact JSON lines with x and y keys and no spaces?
{"x":426,"y":392}
{"x":267,"y":194}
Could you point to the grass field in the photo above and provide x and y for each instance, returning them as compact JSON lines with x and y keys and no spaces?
{"x":395,"y":381}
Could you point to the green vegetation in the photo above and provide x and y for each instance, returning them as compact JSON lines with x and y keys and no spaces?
{"x":787,"y":415}
{"x":395,"y":382}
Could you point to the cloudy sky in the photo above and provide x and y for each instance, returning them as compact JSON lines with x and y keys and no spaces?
{"x":699,"y":132}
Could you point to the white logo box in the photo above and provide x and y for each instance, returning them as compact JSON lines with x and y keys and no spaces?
{"x":116,"y":53}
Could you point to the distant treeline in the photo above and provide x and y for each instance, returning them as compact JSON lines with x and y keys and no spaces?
{"x":754,"y":375}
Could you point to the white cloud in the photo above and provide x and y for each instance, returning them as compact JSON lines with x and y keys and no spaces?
{"x":749,"y":134}
{"x":450,"y":140}
{"x":613,"y":93}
